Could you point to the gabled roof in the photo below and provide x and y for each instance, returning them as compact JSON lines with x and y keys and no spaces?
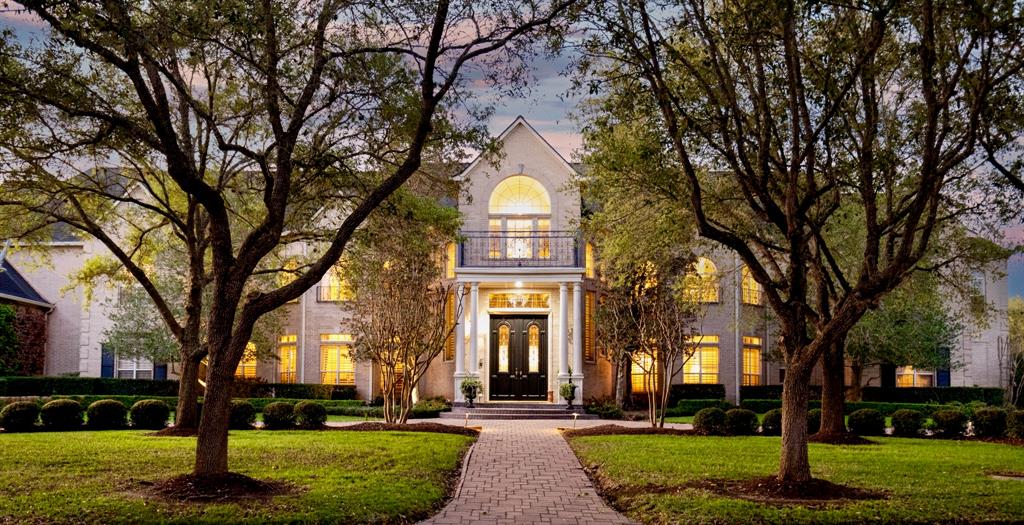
{"x":14,"y":287}
{"x":521,"y":122}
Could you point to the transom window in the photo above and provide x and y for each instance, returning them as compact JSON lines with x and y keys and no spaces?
{"x":908,"y":376}
{"x":336,"y":365}
{"x":701,"y":283}
{"x":702,"y":367}
{"x":510,"y":301}
{"x":519,"y":195}
{"x":751,"y":361}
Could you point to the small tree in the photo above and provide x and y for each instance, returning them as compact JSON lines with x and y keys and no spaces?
{"x":9,"y":362}
{"x":401,"y":308}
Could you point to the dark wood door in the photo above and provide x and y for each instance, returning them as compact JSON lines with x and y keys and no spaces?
{"x":519,"y":358}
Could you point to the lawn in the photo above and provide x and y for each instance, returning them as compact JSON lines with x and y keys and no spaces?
{"x":345,"y":477}
{"x":927,"y":480}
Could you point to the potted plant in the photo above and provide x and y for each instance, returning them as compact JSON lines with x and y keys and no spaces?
{"x":471,"y":387}
{"x":568,"y":392}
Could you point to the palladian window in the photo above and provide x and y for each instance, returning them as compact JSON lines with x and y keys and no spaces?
{"x":520,"y":220}
{"x":701,"y":284}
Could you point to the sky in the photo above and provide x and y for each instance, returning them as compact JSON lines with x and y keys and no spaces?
{"x":548,"y":107}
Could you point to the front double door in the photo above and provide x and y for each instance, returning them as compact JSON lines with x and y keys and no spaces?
{"x":519,"y":358}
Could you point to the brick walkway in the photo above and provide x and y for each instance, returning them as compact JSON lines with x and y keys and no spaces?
{"x":524,"y":472}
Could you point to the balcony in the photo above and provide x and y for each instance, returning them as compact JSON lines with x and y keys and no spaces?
{"x":529,"y":249}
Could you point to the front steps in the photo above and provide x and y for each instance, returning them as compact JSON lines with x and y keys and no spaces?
{"x":516,"y":411}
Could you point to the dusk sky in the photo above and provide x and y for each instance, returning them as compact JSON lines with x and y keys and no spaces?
{"x":547,"y":107}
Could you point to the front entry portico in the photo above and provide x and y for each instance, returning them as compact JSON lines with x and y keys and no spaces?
{"x":518,"y":358}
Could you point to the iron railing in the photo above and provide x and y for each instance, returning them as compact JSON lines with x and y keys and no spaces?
{"x":511,"y":249}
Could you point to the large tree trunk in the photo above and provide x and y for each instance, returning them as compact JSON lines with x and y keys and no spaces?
{"x":833,"y":395}
{"x":212,"y":441}
{"x":856,"y":379}
{"x":793,"y":463}
{"x":187,"y":413}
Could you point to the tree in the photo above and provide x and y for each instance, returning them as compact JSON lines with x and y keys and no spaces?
{"x":401,"y":308}
{"x":9,"y":361}
{"x":318,"y":110}
{"x":777,"y":114}
{"x":1011,"y":353}
{"x":912,"y":327}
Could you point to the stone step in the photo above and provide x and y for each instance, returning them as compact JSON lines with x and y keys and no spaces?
{"x":562,"y":414}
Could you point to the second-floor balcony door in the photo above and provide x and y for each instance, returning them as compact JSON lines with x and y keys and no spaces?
{"x":520,"y":238}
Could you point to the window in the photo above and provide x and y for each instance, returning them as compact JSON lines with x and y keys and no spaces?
{"x":449,"y":319}
{"x":519,"y":195}
{"x":702,"y":366}
{"x":751,"y":361}
{"x":589,"y":353}
{"x":135,"y":368}
{"x":640,"y":379}
{"x":336,"y":365}
{"x":517,"y":300}
{"x":907,"y":376}
{"x":588,"y":258}
{"x":449,"y":262}
{"x":701,"y":284}
{"x":334,"y":288}
{"x":286,"y":350}
{"x":247,"y":365}
{"x":752,"y":291}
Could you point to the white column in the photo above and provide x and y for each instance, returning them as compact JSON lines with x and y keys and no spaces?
{"x":563,"y":331}
{"x":577,"y":330}
{"x":474,"y":302}
{"x":460,"y":342}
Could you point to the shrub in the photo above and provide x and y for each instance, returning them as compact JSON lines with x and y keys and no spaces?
{"x":989,"y":422}
{"x":1015,"y":424}
{"x":310,"y":415}
{"x":741,"y":422}
{"x":771,"y":423}
{"x":949,"y":422}
{"x":429,"y":408}
{"x":62,"y":414}
{"x":278,"y":416}
{"x":690,"y":391}
{"x":813,"y":420}
{"x":106,"y":414}
{"x":243,"y":415}
{"x":19,"y":416}
{"x":710,"y":422}
{"x":867,"y":422}
{"x":604,"y":408}
{"x":150,"y":414}
{"x":940,"y":395}
{"x":907,"y":423}
{"x":689,"y":407}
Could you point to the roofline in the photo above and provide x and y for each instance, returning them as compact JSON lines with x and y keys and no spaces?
{"x":504,"y":134}
{"x":16,"y":299}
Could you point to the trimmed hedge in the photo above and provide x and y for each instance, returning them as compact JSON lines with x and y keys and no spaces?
{"x":310,"y":415}
{"x":243,"y":415}
{"x":150,"y":414}
{"x":1015,"y":424}
{"x":771,"y":423}
{"x":252,"y":389}
{"x":740,"y":422}
{"x":710,"y":422}
{"x":813,"y":420}
{"x":922,"y":395}
{"x":949,"y":423}
{"x":867,"y":422}
{"x":771,"y":392}
{"x":86,"y":386}
{"x":689,"y":407}
{"x":107,"y":414}
{"x":172,"y":402}
{"x":989,"y":422}
{"x":19,"y":417}
{"x":677,"y":392}
{"x":279,"y":416}
{"x":907,"y":423}
{"x":62,"y":414}
{"x":887,"y":409}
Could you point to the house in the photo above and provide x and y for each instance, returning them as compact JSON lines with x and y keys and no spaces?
{"x":31,"y":313}
{"x":528,"y":288}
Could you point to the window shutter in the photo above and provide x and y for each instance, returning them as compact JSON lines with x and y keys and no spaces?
{"x":107,"y":363}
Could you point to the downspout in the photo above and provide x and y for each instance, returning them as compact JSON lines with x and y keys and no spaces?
{"x":737,"y":290}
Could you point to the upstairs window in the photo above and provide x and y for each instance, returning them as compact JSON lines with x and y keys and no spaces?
{"x":701,"y":284}
{"x":519,"y":195}
{"x":752,"y":291}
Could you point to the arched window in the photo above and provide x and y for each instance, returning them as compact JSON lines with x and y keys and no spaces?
{"x":701,"y":284}
{"x":520,"y":219}
{"x":752,"y":291}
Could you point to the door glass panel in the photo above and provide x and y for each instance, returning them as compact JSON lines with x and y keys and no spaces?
{"x":520,"y":238}
{"x":503,"y":339}
{"x":534,"y":339}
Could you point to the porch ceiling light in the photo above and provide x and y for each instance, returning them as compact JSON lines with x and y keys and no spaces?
{"x":519,"y":284}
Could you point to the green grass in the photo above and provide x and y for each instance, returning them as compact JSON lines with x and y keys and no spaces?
{"x":928,"y":480}
{"x":346,"y":477}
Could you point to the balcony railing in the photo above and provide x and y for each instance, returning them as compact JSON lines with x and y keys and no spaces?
{"x":510,"y":249}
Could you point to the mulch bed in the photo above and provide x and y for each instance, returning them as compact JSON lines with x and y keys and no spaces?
{"x":840,"y":439}
{"x":217,"y":488}
{"x":175,"y":432}
{"x":1006,"y":475}
{"x":439,"y":428}
{"x":612,"y":430}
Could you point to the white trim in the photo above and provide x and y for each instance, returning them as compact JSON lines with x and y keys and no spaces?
{"x":17,"y":299}
{"x":519,"y":121}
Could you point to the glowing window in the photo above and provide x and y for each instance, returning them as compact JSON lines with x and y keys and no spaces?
{"x":642,"y":373}
{"x":504,"y":335}
{"x":533,"y":338}
{"x":752,"y":291}
{"x":449,"y":267}
{"x":519,"y":195}
{"x":907,"y":376}
{"x":247,"y":366}
{"x":449,"y":317}
{"x":751,"y":361}
{"x":286,"y":350}
{"x":702,"y":367}
{"x":588,"y":258}
{"x":518,"y":300}
{"x":588,"y":327}
{"x":336,"y":365}
{"x":701,"y":284}
{"x":334,"y":287}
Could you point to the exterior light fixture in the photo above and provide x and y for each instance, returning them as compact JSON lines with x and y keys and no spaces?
{"x":574,"y":417}
{"x":519,"y":284}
